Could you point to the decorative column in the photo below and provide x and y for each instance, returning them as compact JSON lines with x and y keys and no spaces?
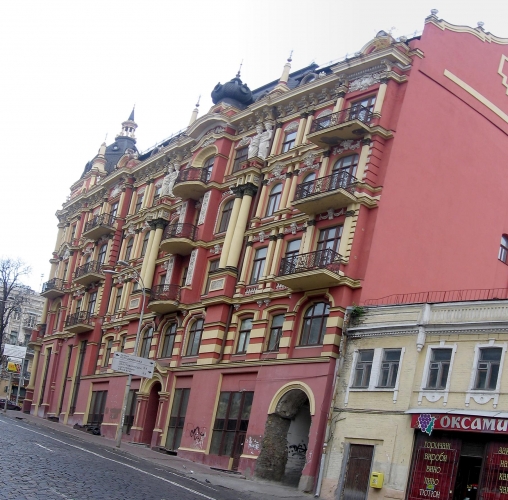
{"x":364,"y":157}
{"x":277,"y":254}
{"x":301,"y":129}
{"x":285,"y":190}
{"x":292,"y":189}
{"x":269,"y":255}
{"x":151,"y":257}
{"x":323,"y":170}
{"x":309,"y":236}
{"x":148,"y":193}
{"x":380,"y":96}
{"x":147,"y":252}
{"x":310,"y":119}
{"x":275,"y":143}
{"x":239,"y":228}
{"x":35,"y":366}
{"x":231,"y":227}
{"x":262,"y":200}
{"x":342,"y":91}
{"x":246,"y":263}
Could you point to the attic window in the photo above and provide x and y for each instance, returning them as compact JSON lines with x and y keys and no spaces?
{"x":115,"y":148}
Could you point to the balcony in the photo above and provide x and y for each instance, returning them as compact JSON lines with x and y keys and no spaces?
{"x":164,"y":299}
{"x":191,"y":183}
{"x":79,"y":322}
{"x":53,"y":288}
{"x":350,"y":123}
{"x":333,"y":191}
{"x":311,"y":270}
{"x":99,"y":225}
{"x":90,"y":272}
{"x":179,"y":239}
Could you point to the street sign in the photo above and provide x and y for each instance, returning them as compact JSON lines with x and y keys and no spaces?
{"x":14,"y":351}
{"x":134,"y":365}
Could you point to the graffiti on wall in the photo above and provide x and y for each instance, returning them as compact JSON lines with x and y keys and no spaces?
{"x":253,"y":444}
{"x":198,"y":435}
{"x":297,"y":450}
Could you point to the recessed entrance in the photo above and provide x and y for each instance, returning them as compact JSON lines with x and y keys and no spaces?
{"x":284,"y":447}
{"x":151,"y":413}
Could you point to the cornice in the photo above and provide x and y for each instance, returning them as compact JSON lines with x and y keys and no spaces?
{"x":477,"y":32}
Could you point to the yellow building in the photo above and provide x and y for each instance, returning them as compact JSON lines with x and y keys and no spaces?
{"x":420,"y":404}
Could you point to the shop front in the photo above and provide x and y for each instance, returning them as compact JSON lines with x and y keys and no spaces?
{"x":459,"y":457}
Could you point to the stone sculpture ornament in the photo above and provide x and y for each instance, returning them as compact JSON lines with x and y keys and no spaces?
{"x":264,"y":143}
{"x":254,"y":143}
{"x":169,"y":182}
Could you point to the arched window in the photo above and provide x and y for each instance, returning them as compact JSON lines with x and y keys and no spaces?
{"x":309,"y":177}
{"x":226,"y":216}
{"x":147,"y":343}
{"x":128,"y":248}
{"x":169,"y":341}
{"x":346,"y":166}
{"x":208,"y":167}
{"x":503,"y":249}
{"x":195,"y":333}
{"x":275,"y":332}
{"x":273,"y":200}
{"x":145,"y":243}
{"x":101,"y":256}
{"x":244,"y":336}
{"x":314,"y":324}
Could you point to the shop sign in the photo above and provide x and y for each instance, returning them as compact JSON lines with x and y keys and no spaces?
{"x":427,"y":422}
{"x":495,"y":472}
{"x":434,"y":468}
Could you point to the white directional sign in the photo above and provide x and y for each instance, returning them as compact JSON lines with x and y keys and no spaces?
{"x":14,"y":351}
{"x":134,"y":365}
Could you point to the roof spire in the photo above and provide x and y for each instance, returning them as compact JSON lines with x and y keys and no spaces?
{"x":239,"y":70}
{"x":195,"y":112}
{"x":131,"y":116}
{"x":129,"y":126}
{"x":287,"y":67}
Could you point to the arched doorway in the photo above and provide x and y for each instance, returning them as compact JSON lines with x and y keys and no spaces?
{"x":152,"y":408}
{"x":284,"y":446}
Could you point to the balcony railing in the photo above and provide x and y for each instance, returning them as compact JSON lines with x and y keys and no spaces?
{"x":360,"y":113}
{"x":55,"y":284}
{"x":180,"y":230}
{"x":99,"y":220}
{"x":320,"y":259}
{"x":78,"y":318}
{"x":338,"y":180}
{"x":165,"y":292}
{"x":93,"y":266}
{"x":194,"y":174}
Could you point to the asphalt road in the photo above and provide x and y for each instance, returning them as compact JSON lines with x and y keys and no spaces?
{"x":38,"y":464}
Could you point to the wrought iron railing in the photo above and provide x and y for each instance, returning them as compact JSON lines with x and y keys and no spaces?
{"x":441,"y":296}
{"x":94,"y":266}
{"x":165,"y":292}
{"x":340,"y":179}
{"x":346,"y":115}
{"x":194,"y":174}
{"x":320,"y":259}
{"x":78,"y":318}
{"x":180,"y":230}
{"x":53,"y":284}
{"x":100,"y":220}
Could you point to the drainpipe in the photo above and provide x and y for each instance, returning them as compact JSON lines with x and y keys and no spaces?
{"x":338,"y":365}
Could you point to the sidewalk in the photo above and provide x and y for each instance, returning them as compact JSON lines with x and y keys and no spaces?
{"x":199,"y":472}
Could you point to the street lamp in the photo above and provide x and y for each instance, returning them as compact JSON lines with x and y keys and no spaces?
{"x":137,"y":276}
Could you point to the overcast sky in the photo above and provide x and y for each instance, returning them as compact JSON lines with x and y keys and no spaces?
{"x":72,"y":70}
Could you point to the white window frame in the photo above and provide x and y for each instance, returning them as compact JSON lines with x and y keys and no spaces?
{"x":375,"y":373}
{"x":434,"y":395}
{"x":481,"y":396}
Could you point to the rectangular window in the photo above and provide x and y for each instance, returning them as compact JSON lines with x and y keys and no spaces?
{"x":214,"y":265}
{"x":184,"y":276}
{"x":123,"y":340}
{"x":289,"y":141}
{"x":114,"y":209}
{"x":389,"y":368}
{"x":241,"y":156}
{"x":293,"y":248}
{"x":107,"y":353}
{"x":363,"y":368}
{"x":275,"y":333}
{"x":139,"y":202}
{"x":97,"y":406}
{"x":177,"y":419}
{"x":77,"y":380}
{"x":118,"y":300}
{"x":361,"y":110}
{"x":231,"y":423}
{"x":439,"y":368}
{"x":329,"y":239}
{"x":244,"y":336}
{"x":258,"y":265}
{"x":503,"y":249}
{"x":13,"y":339}
{"x":92,"y":299}
{"x":195,"y":334}
{"x":130,"y":412}
{"x":169,"y":341}
{"x":488,"y":368}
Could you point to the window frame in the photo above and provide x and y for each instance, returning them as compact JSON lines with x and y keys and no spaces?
{"x":193,"y":332}
{"x":139,"y":202}
{"x":364,"y":367}
{"x":128,"y":248}
{"x":305,"y":333}
{"x":439,"y":377}
{"x":241,"y":154}
{"x":275,"y":332}
{"x":323,"y":242}
{"x":144,"y":245}
{"x":273,"y":200}
{"x":213,"y":265}
{"x":258,"y":266}
{"x":503,"y":249}
{"x":168,"y":338}
{"x":207,"y":167}
{"x":225,"y":215}
{"x":490,"y":363}
{"x":244,"y":332}
{"x":393,"y":369}
{"x":289,"y":140}
{"x":107,"y":351}
{"x":146,"y":343}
